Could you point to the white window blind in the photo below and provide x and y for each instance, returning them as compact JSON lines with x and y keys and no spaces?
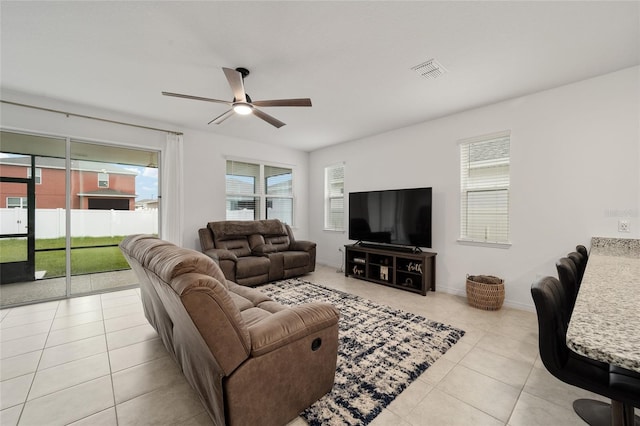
{"x":334,"y":197}
{"x":256,"y":191}
{"x":243,"y":178}
{"x":484,"y":189}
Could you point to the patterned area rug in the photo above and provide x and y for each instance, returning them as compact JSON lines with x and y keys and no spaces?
{"x":380,"y":352}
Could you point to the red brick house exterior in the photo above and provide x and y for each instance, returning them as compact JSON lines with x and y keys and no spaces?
{"x":93,"y":185}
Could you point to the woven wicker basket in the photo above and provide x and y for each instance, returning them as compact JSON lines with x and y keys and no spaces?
{"x":485,"y":292}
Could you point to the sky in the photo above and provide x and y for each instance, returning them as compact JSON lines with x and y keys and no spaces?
{"x":146,"y":182}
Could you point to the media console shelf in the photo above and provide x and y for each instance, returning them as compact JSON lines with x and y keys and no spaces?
{"x":415,"y":272}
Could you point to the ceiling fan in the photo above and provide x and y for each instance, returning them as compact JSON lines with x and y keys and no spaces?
{"x":242,"y":103}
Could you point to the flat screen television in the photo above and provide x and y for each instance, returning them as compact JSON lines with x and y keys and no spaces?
{"x":398,"y":217}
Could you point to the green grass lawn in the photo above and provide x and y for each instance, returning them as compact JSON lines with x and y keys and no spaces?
{"x":83,"y":260}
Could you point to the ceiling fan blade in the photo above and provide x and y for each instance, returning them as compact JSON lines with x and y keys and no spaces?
{"x":301,"y":102}
{"x":197,"y":98}
{"x":219,"y":119}
{"x":269,"y":119}
{"x":237,"y":85}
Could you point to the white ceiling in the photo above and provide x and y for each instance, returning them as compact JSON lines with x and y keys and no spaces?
{"x":352,"y":59}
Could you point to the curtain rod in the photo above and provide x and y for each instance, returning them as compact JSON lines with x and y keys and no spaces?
{"x":71,"y":114}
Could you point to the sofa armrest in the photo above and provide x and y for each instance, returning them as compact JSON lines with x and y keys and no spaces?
{"x":289,"y":325}
{"x":302,"y":245}
{"x":221,"y":254}
{"x":206,"y":239}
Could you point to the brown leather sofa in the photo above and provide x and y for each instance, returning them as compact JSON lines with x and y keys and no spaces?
{"x":251,"y":360}
{"x":257,"y":251}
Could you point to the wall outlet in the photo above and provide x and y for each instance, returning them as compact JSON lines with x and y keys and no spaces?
{"x":623,"y":226}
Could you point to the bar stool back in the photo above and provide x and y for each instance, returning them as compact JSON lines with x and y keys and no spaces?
{"x":581,"y":264}
{"x":567,"y":275}
{"x":583,"y":251}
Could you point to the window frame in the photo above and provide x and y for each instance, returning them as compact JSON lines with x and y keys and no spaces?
{"x":38,"y":179}
{"x":22,"y":200}
{"x":102,"y":174}
{"x":496,"y":180}
{"x":329,"y":199}
{"x":260,"y":189}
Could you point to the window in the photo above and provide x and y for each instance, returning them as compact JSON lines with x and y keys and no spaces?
{"x":38,"y":175}
{"x":256,"y":188}
{"x":103,"y":180}
{"x":279,"y":185}
{"x":16,"y":202}
{"x":484,"y":189}
{"x":334,"y":197}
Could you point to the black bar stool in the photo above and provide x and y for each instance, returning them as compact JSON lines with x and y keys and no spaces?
{"x":550,"y":299}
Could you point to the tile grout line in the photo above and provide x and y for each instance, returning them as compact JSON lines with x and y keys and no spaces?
{"x":45,"y":347}
{"x":113,"y":389}
{"x":33,"y":379}
{"x":533,"y":365}
{"x":466,"y":403}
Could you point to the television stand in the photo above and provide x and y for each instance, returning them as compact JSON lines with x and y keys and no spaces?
{"x":389,"y":247}
{"x":406,"y":270}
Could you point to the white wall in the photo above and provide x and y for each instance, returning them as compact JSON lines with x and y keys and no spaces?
{"x":204,"y":170}
{"x":204,"y":154}
{"x":575,"y":171}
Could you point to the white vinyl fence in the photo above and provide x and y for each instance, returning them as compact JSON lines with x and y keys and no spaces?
{"x":50,"y":223}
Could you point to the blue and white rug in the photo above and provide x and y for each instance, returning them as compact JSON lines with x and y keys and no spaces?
{"x":381,"y":351}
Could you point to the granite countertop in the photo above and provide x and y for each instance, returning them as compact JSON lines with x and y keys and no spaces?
{"x":605,"y":324}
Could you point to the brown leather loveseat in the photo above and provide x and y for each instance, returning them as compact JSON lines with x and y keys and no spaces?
{"x":251,"y":360}
{"x":257,"y":251}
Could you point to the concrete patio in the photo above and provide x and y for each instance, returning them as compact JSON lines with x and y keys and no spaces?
{"x":55,"y":288}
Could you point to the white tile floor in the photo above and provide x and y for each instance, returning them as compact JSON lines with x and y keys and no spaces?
{"x":96,"y":361}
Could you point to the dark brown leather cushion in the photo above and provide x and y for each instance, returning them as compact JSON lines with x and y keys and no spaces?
{"x":251,"y":266}
{"x":232,"y":229}
{"x":627,"y":381}
{"x":279,"y":243}
{"x":295,"y":259}
{"x":239,"y":246}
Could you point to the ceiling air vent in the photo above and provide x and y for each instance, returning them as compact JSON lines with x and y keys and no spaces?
{"x":430,"y":69}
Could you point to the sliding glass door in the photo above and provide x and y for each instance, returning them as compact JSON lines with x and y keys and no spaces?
{"x":113,"y":193}
{"x":63,"y":216}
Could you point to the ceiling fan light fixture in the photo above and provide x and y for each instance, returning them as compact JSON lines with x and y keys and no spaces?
{"x":242,"y":103}
{"x":242,"y":108}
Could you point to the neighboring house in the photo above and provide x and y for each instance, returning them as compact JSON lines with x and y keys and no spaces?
{"x":94,"y":185}
{"x":147,"y":204}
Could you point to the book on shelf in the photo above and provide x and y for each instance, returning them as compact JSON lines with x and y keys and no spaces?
{"x":384,"y":273}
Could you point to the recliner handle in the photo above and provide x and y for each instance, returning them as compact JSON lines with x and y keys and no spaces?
{"x":315,"y":345}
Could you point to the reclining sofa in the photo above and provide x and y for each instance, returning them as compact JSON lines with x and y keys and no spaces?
{"x":257,"y":251}
{"x":251,"y":360}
